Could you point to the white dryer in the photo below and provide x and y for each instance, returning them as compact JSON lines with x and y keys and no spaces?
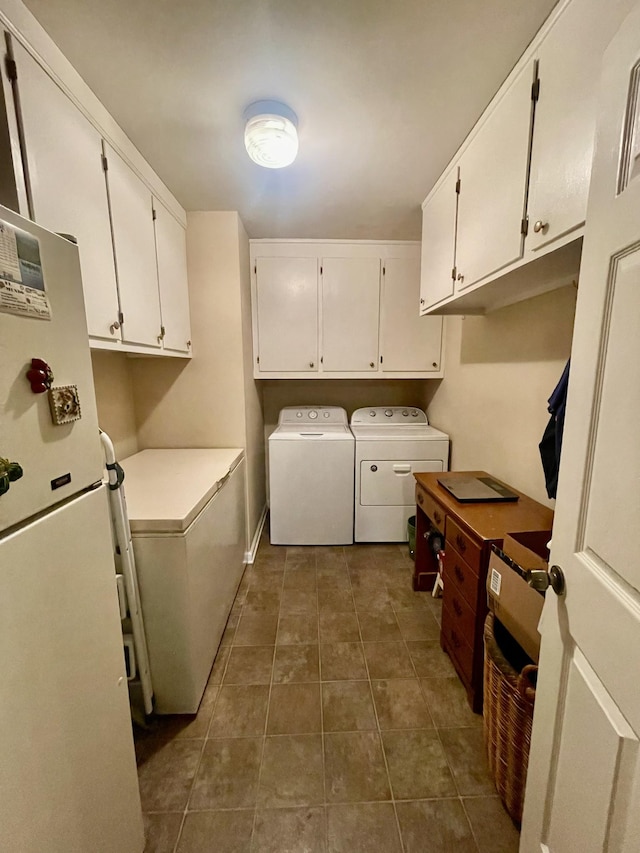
{"x":391,"y":444}
{"x":311,"y":484}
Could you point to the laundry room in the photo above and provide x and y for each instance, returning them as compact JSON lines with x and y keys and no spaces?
{"x":332,"y":261}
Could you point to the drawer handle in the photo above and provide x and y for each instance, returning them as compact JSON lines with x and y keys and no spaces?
{"x":437,"y":517}
{"x":462,"y":545}
{"x":420,"y":499}
{"x":459,"y":573}
{"x":456,"y":607}
{"x":454,"y":638}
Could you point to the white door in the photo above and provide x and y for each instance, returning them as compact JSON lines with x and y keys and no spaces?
{"x":64,"y":154}
{"x":68,"y":778}
{"x":171,"y":250}
{"x":350,"y":314}
{"x":583,"y":787}
{"x":287,"y":314}
{"x":439,"y":242}
{"x":493,"y":182}
{"x":408,"y":342}
{"x":134,"y":243}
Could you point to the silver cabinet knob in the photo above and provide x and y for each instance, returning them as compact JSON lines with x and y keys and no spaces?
{"x":372,"y":364}
{"x":541,"y":580}
{"x":311,"y":364}
{"x":460,"y":277}
{"x":540,"y":226}
{"x":113,"y":328}
{"x":422,"y":302}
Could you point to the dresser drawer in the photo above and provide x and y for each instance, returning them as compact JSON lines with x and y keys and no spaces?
{"x":458,"y":574}
{"x":432,"y":509}
{"x":463,"y":615}
{"x":457,"y":646}
{"x":464,"y":544}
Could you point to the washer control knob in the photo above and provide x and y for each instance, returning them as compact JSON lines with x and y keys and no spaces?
{"x":374,"y":468}
{"x":326,"y":415}
{"x":414,"y":414}
{"x":298,"y":414}
{"x":313,"y":415}
{"x":405,"y":414}
{"x":388,"y":413}
{"x":372,"y":414}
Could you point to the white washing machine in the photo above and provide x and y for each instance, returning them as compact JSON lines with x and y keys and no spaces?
{"x":311,"y":483}
{"x":391,"y":443}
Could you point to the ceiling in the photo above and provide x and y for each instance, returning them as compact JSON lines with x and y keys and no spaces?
{"x":384,"y":92}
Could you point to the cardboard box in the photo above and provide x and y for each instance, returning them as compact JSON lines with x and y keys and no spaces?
{"x":509,"y":596}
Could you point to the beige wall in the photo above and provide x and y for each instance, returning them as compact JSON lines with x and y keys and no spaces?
{"x":210,"y":400}
{"x":499,"y":372}
{"x":114,"y":396}
{"x":253,"y":402}
{"x":200,"y":402}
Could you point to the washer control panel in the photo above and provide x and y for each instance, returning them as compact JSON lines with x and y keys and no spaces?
{"x":387,"y":415}
{"x":310,"y":414}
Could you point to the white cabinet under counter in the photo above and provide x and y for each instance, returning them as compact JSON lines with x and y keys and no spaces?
{"x":187,"y":515}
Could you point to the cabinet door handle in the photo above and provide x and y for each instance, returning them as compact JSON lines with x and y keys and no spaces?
{"x":460,"y":277}
{"x":422,"y":302}
{"x":456,"y":607}
{"x":541,"y":226}
{"x":372,"y":364}
{"x":437,"y":517}
{"x":455,"y":640}
{"x":311,"y":364}
{"x":420,"y":498}
{"x":462,"y":545}
{"x":113,"y":328}
{"x":459,"y":573}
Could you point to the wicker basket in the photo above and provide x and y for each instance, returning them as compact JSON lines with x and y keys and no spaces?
{"x":509,"y":696}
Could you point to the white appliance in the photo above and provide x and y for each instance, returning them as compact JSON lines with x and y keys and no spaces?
{"x":311,"y":456}
{"x":391,"y":443}
{"x":187,"y":515}
{"x":68,"y":781}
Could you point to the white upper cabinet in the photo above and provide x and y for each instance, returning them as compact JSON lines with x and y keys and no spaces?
{"x":131,"y":207}
{"x":64,"y":162}
{"x":341,"y":310}
{"x":524,"y":170}
{"x":569,"y":67}
{"x":493,"y":185}
{"x":286,"y":315}
{"x":350,"y":314}
{"x":439,"y":241}
{"x":408,"y":342}
{"x":171,"y":251}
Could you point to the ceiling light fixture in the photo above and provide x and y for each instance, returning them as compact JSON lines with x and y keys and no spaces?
{"x":270,"y":134}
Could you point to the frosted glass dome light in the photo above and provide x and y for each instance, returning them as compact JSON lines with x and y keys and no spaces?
{"x":270,"y":134}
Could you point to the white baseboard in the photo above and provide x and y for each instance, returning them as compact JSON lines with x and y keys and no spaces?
{"x":250,"y":555}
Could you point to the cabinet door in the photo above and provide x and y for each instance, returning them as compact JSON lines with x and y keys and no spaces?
{"x":171,"y":250}
{"x":135,"y":251}
{"x":64,"y":154}
{"x":493,"y":175}
{"x":350,"y":314}
{"x":287,"y":314}
{"x":438,"y":242}
{"x":408,"y":342}
{"x":565,"y":117}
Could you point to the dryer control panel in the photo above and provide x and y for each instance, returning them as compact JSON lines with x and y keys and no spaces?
{"x":327,"y":415}
{"x":392,"y":415}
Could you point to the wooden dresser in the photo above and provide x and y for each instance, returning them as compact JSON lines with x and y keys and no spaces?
{"x":469,"y":531}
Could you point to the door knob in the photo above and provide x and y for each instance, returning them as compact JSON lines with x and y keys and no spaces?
{"x":540,"y":226}
{"x":541,"y":580}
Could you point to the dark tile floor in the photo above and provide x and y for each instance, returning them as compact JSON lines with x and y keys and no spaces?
{"x":332,"y":723}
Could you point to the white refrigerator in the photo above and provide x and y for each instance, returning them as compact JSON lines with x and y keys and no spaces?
{"x":68,"y":781}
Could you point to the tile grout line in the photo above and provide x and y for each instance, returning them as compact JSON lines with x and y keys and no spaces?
{"x":325,"y":811}
{"x":266,"y":718}
{"x":379,"y":732}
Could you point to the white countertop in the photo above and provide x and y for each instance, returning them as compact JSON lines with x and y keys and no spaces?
{"x":166,"y":489}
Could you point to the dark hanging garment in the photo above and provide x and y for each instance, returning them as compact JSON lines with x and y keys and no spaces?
{"x":551,"y":444}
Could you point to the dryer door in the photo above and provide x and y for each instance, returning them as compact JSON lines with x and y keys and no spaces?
{"x":389,"y":482}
